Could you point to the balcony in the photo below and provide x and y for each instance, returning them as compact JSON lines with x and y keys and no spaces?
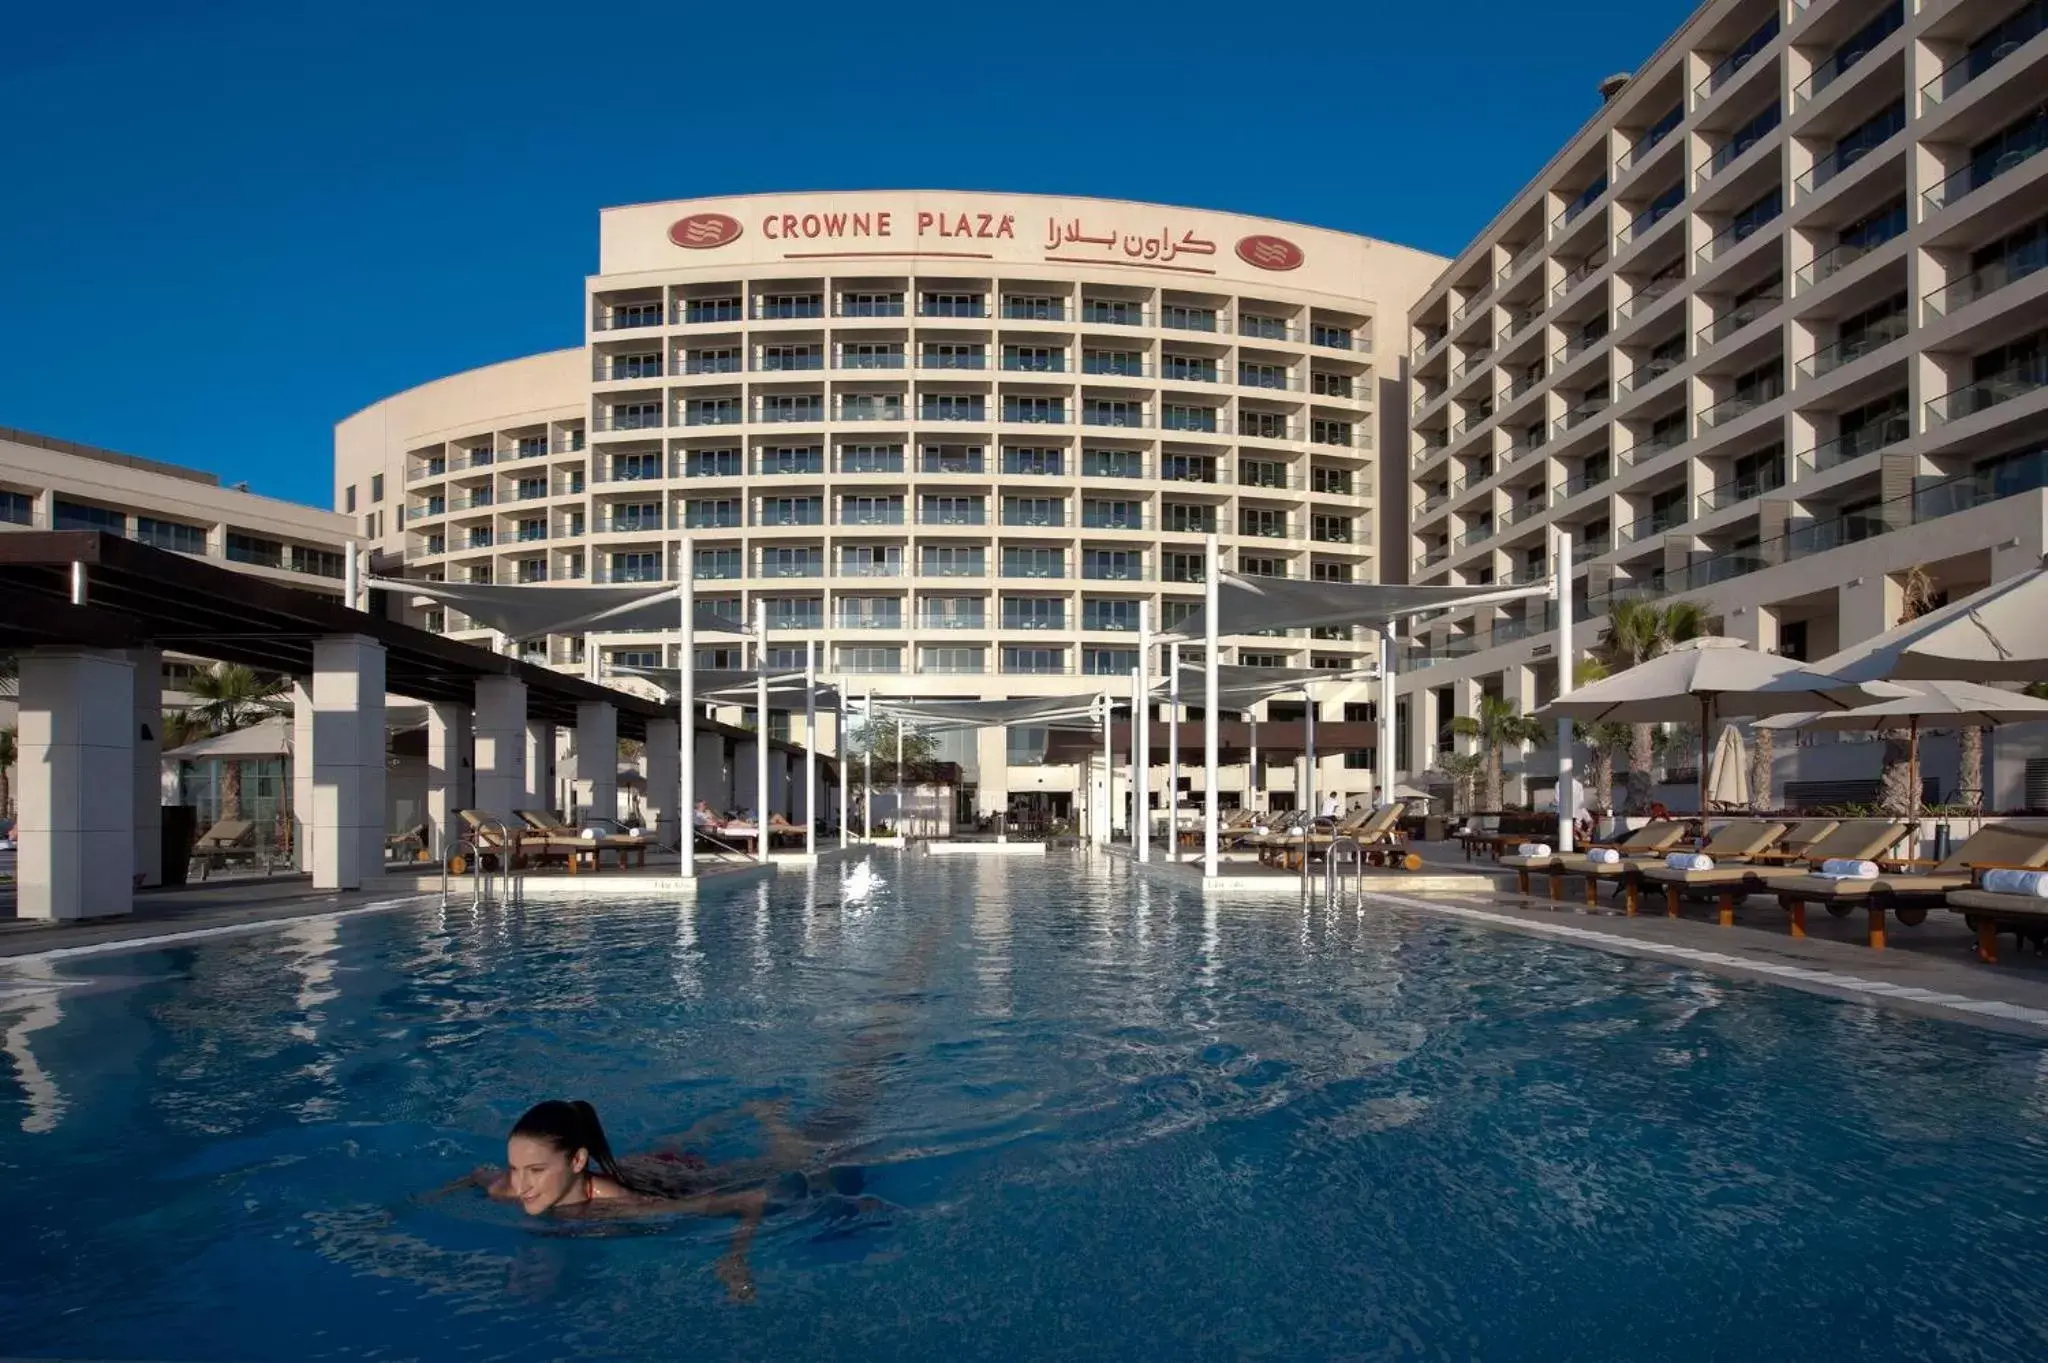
{"x":1853,"y":50}
{"x":1835,"y":260}
{"x":1735,"y":319}
{"x":1852,"y":348}
{"x":1582,"y":201}
{"x":1986,"y":393}
{"x":968,"y":360}
{"x":1740,"y":404}
{"x":1034,"y":310}
{"x":974,"y":411}
{"x":869,"y":305}
{"x":871,"y":359}
{"x":1983,"y":283}
{"x":1853,"y":445}
{"x":891,"y":620}
{"x":952,"y":515}
{"x":1040,"y":516}
{"x":2013,"y":34}
{"x":1580,"y":482}
{"x":1632,"y":308}
{"x":873,"y":567}
{"x":1975,"y":176}
{"x":1127,"y":417}
{"x":630,"y":318}
{"x":1052,"y":413}
{"x":1038,"y":364}
{"x":1739,"y":490}
{"x":1735,"y":62}
{"x":790,"y":361}
{"x":1095,"y":312}
{"x":953,"y":620}
{"x":626,"y":419}
{"x":862,"y":514}
{"x":1733,"y":235}
{"x":1834,"y":163}
{"x":871,"y":409}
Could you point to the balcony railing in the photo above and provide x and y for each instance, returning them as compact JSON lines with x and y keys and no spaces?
{"x":1852,"y":348}
{"x":953,"y":620}
{"x":1735,"y":319}
{"x":2016,"y":32}
{"x":1868,"y":439}
{"x":867,"y":620}
{"x":1975,"y":176}
{"x":1834,"y":163}
{"x":1646,"y":373}
{"x":1984,"y":282}
{"x":1632,"y":308}
{"x":1740,"y":404}
{"x":1734,"y":234}
{"x":1986,"y":393}
{"x":1721,"y":496}
{"x":1833,"y":261}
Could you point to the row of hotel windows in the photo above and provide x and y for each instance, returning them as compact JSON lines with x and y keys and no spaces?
{"x":812,"y":408}
{"x":781,"y":460}
{"x":1012,"y":658}
{"x":18,"y":508}
{"x":934,"y":509}
{"x":784,"y":307}
{"x":949,"y":355}
{"x":1018,"y":561}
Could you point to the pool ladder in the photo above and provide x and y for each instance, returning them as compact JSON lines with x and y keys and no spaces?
{"x":482,"y":878}
{"x":1344,"y":864}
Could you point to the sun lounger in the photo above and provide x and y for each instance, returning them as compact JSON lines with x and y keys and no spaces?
{"x":1735,"y":841}
{"x":511,"y":846}
{"x":1989,"y":912}
{"x":1652,"y":839}
{"x":553,"y":833}
{"x":1911,"y":886}
{"x":1852,"y":839}
{"x":409,"y":845}
{"x":1366,"y":825}
{"x":227,"y":839}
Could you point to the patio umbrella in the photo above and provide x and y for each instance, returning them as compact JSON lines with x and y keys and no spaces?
{"x":1728,"y":778}
{"x":1995,"y":635}
{"x":1950,"y":704}
{"x":1700,"y":680}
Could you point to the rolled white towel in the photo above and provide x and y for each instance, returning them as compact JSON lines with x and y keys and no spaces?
{"x":1848,"y":868}
{"x":1533,"y":849}
{"x":1689,"y":861}
{"x":1604,"y":856}
{"x":2033,"y":884}
{"x":592,"y":834}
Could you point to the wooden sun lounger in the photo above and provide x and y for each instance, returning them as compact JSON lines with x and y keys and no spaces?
{"x":1989,"y":912}
{"x":1735,"y":841}
{"x":552,"y":832}
{"x":1652,"y":839}
{"x":1911,"y":886}
{"x":1852,"y":839}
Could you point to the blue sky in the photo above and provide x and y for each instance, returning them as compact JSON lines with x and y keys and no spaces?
{"x":227,"y":225}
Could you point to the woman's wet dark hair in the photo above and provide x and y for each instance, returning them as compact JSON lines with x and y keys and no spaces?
{"x":571,"y":1125}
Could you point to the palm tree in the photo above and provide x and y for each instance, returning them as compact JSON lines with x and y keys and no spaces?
{"x":1603,"y":739}
{"x":1463,"y":768}
{"x":1638,"y":631}
{"x":230,"y":697}
{"x":1762,"y":754}
{"x":1499,"y":722}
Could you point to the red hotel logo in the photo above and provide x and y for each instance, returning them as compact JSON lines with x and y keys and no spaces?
{"x":702,"y":231}
{"x":1269,"y":253}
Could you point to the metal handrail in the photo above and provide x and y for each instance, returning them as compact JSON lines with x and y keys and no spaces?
{"x":1344,"y":852}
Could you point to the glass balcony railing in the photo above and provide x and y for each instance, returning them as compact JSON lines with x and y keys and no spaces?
{"x":1983,"y":282}
{"x":2011,"y":35}
{"x":1735,"y":234}
{"x":1632,"y":308}
{"x":1834,"y":163}
{"x":1852,"y":348}
{"x":1736,"y":491}
{"x":1833,"y":261}
{"x":1740,"y":404}
{"x":1988,"y":392}
{"x":1982,"y":172}
{"x":1868,"y":439}
{"x":1735,"y":319}
{"x":1853,"y":50}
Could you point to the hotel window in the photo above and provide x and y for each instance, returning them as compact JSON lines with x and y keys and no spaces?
{"x":721,"y":660}
{"x":712,"y":513}
{"x":1331,"y":385}
{"x":712,"y":310}
{"x":711,"y":412}
{"x":1029,"y":561}
{"x":373,"y":524}
{"x":1099,"y":412}
{"x":1330,"y":529}
{"x":1117,"y":515}
{"x":1182,"y":317}
{"x":950,"y":355}
{"x":1262,"y":375}
{"x":1322,"y":571}
{"x":871,"y":459}
{"x":795,"y":612}
{"x":1190,"y":519}
{"x":624,"y":315}
{"x":870,"y":659}
{"x":1262,"y":425}
{"x":1024,"y":745}
{"x":1113,"y":565}
{"x":436,"y":544}
{"x":787,"y":306}
{"x":724,"y":360}
{"x":1109,"y":662}
{"x":1112,"y":464}
{"x":871,"y":510}
{"x":790,"y":459}
{"x":635,"y":657}
{"x":1034,"y":409}
{"x":1334,"y":337}
{"x":953,"y":612}
{"x":1264,"y":328}
{"x":870,"y":560}
{"x":481,"y":574}
{"x":1245,"y":659}
{"x":1179,"y":417}
{"x":953,"y":560}
{"x":793,"y":407}
{"x":629,"y":367}
{"x":1325,"y":432}
{"x":1187,"y":368}
{"x":870,"y":305}
{"x":348,"y":500}
{"x":173,"y":535}
{"x":953,"y":407}
{"x":951,"y":459}
{"x":1122,"y":363}
{"x":724,"y":607}
{"x":712,"y":464}
{"x":1034,"y":307}
{"x":1034,"y":511}
{"x":1261,"y":566}
{"x":534,"y":446}
{"x":636,"y":567}
{"x":77,"y":516}
{"x":628,"y":468}
{"x":1038,"y":359}
{"x":872,"y":355}
{"x":714,"y":564}
{"x":1178,"y":568}
{"x":1116,"y":312}
{"x":638,"y":516}
{"x":951,"y":305}
{"x":939,"y":659}
{"x":871,"y":407}
{"x":1030,"y":660}
{"x":529,"y":489}
{"x":1034,"y":612}
{"x":630,"y":416}
{"x":1033,"y":461}
{"x":533,"y":528}
{"x":1261,"y":473}
{"x":940,"y":510}
{"x":1187,"y":468}
{"x":573,"y":526}
{"x":792,"y":561}
{"x":1263,"y":523}
{"x":1113,"y":614}
{"x":17,"y":508}
{"x":870,"y":612}
{"x":774,"y":357}
{"x":532,"y":570}
{"x":1334,"y":481}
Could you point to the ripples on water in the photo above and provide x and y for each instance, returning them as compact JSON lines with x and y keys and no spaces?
{"x":1102,"y":1121}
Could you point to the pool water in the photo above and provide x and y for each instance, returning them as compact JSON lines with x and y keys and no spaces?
{"x":1088,"y":1117}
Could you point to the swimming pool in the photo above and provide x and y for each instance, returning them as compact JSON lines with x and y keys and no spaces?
{"x":1101,"y":1119}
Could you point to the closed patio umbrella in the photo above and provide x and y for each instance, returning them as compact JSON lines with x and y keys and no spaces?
{"x":1702,"y":679}
{"x":1728,"y":778}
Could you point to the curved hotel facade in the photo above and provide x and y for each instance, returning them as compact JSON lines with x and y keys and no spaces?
{"x":955,"y":438}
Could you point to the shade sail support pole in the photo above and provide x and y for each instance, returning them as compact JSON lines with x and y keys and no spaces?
{"x":1212,"y":574}
{"x":686,"y":711}
{"x":1561,"y":584}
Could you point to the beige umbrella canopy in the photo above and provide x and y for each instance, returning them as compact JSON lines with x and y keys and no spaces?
{"x":1946,"y":704}
{"x":1996,"y":635}
{"x":1728,"y":778}
{"x":1703,"y":679}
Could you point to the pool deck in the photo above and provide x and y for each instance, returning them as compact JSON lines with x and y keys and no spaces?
{"x":1930,"y":969}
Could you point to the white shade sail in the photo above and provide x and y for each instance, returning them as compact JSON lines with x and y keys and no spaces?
{"x":1247,"y":604}
{"x":1240,"y":688}
{"x":1949,"y":704}
{"x":1997,"y":634}
{"x":529,"y":610}
{"x":735,"y":686}
{"x":1060,"y":711}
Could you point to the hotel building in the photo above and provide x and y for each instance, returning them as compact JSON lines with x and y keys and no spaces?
{"x":1766,"y":334}
{"x":956,"y":439}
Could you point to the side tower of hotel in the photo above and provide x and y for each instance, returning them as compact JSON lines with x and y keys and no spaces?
{"x":955,"y":438}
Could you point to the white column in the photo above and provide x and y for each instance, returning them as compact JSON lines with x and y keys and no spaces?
{"x":1141,"y":738}
{"x":845,"y":775}
{"x":901,"y":829}
{"x":540,"y":766}
{"x":305,"y":854}
{"x":75,"y":816}
{"x":1173,"y":751}
{"x":867,"y":758}
{"x":664,"y":777}
{"x":149,"y":767}
{"x":686,"y":713}
{"x":1387,"y":755}
{"x":1567,"y":807}
{"x":1254,"y":777}
{"x":448,"y":777}
{"x":597,"y":755}
{"x":348,"y":761}
{"x":1309,"y":752}
{"x":1105,"y":821}
{"x":761,"y":792}
{"x":1211,"y":696}
{"x":500,"y":747}
{"x":811,"y":747}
